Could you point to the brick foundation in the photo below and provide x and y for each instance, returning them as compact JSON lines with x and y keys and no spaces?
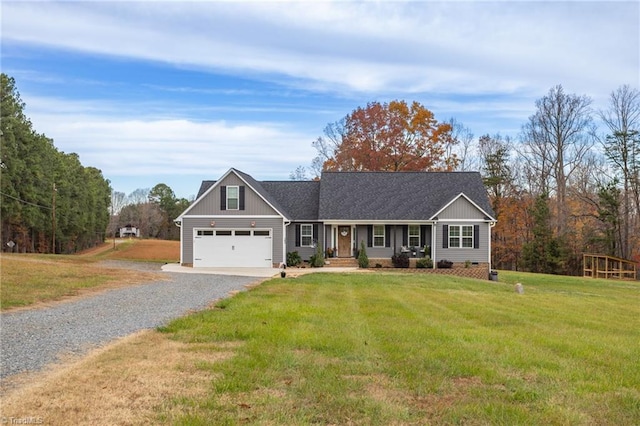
{"x":480,"y":272}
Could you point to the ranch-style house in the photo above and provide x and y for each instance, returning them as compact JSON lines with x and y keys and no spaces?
{"x":238,"y":221}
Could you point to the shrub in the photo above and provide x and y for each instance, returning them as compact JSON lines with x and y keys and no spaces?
{"x":424,"y":262}
{"x":363,"y":259}
{"x":293,"y":258}
{"x":445,"y":264}
{"x":400,"y":260}
{"x":317,"y":260}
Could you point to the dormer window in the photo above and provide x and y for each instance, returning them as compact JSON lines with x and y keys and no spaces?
{"x":233,"y":197}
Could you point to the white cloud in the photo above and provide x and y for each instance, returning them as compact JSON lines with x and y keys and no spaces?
{"x":470,"y":47}
{"x":122,"y":146}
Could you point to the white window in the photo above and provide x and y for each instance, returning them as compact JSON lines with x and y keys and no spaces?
{"x":414,"y":235}
{"x":233,"y":197}
{"x":461,"y":236}
{"x":378,"y":235}
{"x":306,"y":235}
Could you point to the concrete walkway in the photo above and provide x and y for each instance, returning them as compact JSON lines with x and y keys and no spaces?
{"x":252,"y":272}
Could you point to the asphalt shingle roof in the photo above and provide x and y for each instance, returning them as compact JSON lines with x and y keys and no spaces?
{"x":396,"y":195}
{"x":300,"y":199}
{"x":361,"y":196}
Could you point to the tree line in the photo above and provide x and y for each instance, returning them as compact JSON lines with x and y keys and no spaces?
{"x":50,"y":202}
{"x":152,"y":211}
{"x":562,"y":187}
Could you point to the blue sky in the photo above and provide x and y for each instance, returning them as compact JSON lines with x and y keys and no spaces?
{"x":176,"y":92}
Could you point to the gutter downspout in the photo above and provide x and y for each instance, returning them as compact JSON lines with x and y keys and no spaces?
{"x":178,"y":223}
{"x":491,"y":225}
{"x":285,"y":227}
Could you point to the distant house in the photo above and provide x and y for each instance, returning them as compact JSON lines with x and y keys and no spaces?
{"x":129,"y":231}
{"x":241,"y":222}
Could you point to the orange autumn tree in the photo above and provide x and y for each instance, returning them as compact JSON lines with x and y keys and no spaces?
{"x":390,"y":136}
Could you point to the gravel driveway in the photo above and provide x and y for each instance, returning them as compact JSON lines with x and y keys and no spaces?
{"x":31,"y":339}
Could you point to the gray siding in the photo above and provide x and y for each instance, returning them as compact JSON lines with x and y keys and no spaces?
{"x":210,"y":204}
{"x":463,"y":254}
{"x":189,"y":223}
{"x":304,"y":252}
{"x":461,"y":209}
{"x":396,"y":241}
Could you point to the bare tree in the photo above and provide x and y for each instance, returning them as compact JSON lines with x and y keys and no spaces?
{"x":622,"y":149}
{"x":138,"y":196}
{"x":556,"y":139}
{"x":327,"y":145}
{"x":118,"y":201}
{"x":464,"y":146}
{"x":300,"y":173}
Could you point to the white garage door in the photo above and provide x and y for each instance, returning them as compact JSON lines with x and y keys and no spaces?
{"x":215,"y":248}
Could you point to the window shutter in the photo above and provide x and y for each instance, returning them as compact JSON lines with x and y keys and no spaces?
{"x":298,"y":235}
{"x":223,"y":198}
{"x":315,"y":232}
{"x":445,"y":236}
{"x":387,"y":236}
{"x":476,"y":236}
{"x":370,"y":236}
{"x":241,"y":195}
{"x":405,"y":235}
{"x":423,"y":235}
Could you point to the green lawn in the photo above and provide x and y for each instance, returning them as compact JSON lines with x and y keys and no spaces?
{"x":419,"y":349}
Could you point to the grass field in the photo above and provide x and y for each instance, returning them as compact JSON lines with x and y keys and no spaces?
{"x":397,"y":349}
{"x":377,"y":348}
{"x":28,"y":279}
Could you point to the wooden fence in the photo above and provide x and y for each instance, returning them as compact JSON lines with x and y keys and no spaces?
{"x":601,"y":266}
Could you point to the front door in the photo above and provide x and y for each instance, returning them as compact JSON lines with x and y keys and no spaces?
{"x":344,"y":241}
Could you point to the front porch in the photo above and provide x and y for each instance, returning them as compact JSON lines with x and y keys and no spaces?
{"x":343,"y":240}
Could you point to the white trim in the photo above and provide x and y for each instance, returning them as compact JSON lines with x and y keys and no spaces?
{"x":460,"y":237}
{"x":237,"y":187}
{"x":218,"y":183}
{"x":453,"y":200}
{"x":182,"y":247}
{"x":384,"y":236}
{"x":420,"y":242}
{"x":377,"y":222}
{"x":434,"y":240}
{"x":285,"y":231}
{"x":464,"y":220}
{"x":489,"y":244}
{"x":306,"y":225}
{"x":231,"y":216}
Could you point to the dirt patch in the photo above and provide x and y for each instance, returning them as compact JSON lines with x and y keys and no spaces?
{"x":127,"y":382}
{"x":147,"y":250}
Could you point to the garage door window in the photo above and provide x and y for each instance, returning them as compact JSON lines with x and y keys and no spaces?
{"x":203,"y":233}
{"x":261,"y":233}
{"x":223,"y":233}
{"x":243,"y":233}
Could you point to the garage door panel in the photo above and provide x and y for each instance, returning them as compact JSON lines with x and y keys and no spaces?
{"x":232,"y":248}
